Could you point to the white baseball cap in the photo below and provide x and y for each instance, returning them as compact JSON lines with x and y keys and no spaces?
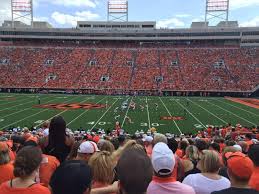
{"x":148,"y":139}
{"x":88,"y":147}
{"x":238,"y":147}
{"x":162,"y":159}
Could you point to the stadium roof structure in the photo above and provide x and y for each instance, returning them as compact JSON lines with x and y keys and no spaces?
{"x":245,"y":36}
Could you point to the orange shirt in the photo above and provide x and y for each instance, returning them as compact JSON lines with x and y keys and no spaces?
{"x":35,"y":189}
{"x":249,"y":143}
{"x":254,"y":180}
{"x":179,"y":153}
{"x":6,"y":172}
{"x":12,"y":155}
{"x":47,"y":167}
{"x":149,"y":150}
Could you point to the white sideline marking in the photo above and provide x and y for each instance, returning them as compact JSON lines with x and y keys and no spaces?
{"x":191,"y":114}
{"x":84,"y":112}
{"x":233,"y":113}
{"x":148,"y":114}
{"x":170,"y":116}
{"x":208,"y":111}
{"x":104,"y":114}
{"x":237,"y":107}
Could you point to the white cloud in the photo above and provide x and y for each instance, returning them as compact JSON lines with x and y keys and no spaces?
{"x":170,"y":23}
{"x":236,"y":4}
{"x":68,"y":3}
{"x":182,"y":15}
{"x":5,"y":11}
{"x":251,"y":23}
{"x":71,"y":20}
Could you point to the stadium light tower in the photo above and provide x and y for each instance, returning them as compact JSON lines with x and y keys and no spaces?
{"x":217,"y":9}
{"x":117,"y":10}
{"x":22,"y":9}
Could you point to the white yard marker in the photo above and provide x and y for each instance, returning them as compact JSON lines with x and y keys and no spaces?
{"x":170,"y":115}
{"x":149,"y":125}
{"x":126,"y":113}
{"x":237,"y":107}
{"x":208,"y":111}
{"x":190,"y":113}
{"x":232,"y":113}
{"x":104,"y":113}
{"x":84,"y":112}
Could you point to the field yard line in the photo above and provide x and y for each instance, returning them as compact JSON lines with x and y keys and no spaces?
{"x":149,"y":125}
{"x":208,"y":111}
{"x":236,"y":107}
{"x":104,"y":113}
{"x":170,"y":116}
{"x":126,"y":113}
{"x":32,"y":116}
{"x":63,"y":110}
{"x":15,"y":105}
{"x":190,"y":113}
{"x":24,"y":110}
{"x":84,"y":112}
{"x":232,"y":113}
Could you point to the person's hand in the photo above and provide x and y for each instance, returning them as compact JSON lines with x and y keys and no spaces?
{"x":114,"y":187}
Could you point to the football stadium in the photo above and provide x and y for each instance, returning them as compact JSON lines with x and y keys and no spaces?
{"x":129,"y":97}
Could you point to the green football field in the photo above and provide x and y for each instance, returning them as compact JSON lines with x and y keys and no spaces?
{"x":90,"y":111}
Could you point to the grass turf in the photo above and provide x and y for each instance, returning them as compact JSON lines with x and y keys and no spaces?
{"x":19,"y":110}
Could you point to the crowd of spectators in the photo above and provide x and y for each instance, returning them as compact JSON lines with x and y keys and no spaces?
{"x":53,"y":159}
{"x":193,"y":69}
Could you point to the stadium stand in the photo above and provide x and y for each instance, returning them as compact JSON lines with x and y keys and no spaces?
{"x":196,"y":69}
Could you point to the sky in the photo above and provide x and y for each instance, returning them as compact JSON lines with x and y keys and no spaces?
{"x":167,"y":13}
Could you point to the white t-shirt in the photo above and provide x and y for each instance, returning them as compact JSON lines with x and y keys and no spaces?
{"x":204,"y":185}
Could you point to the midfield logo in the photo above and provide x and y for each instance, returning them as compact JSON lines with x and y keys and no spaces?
{"x":71,"y":106}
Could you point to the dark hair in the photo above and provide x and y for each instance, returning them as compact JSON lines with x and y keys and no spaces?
{"x":72,"y":176}
{"x":27,"y":160}
{"x":73,"y":151}
{"x":134,"y":170}
{"x":121,"y":139}
{"x":172,"y":144}
{"x":57,"y":132}
{"x":183,"y":145}
{"x":115,"y":143}
{"x":249,"y":136}
{"x":215,"y":146}
{"x":230,"y":143}
{"x":253,"y":154}
{"x":30,"y":143}
{"x":201,"y":144}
